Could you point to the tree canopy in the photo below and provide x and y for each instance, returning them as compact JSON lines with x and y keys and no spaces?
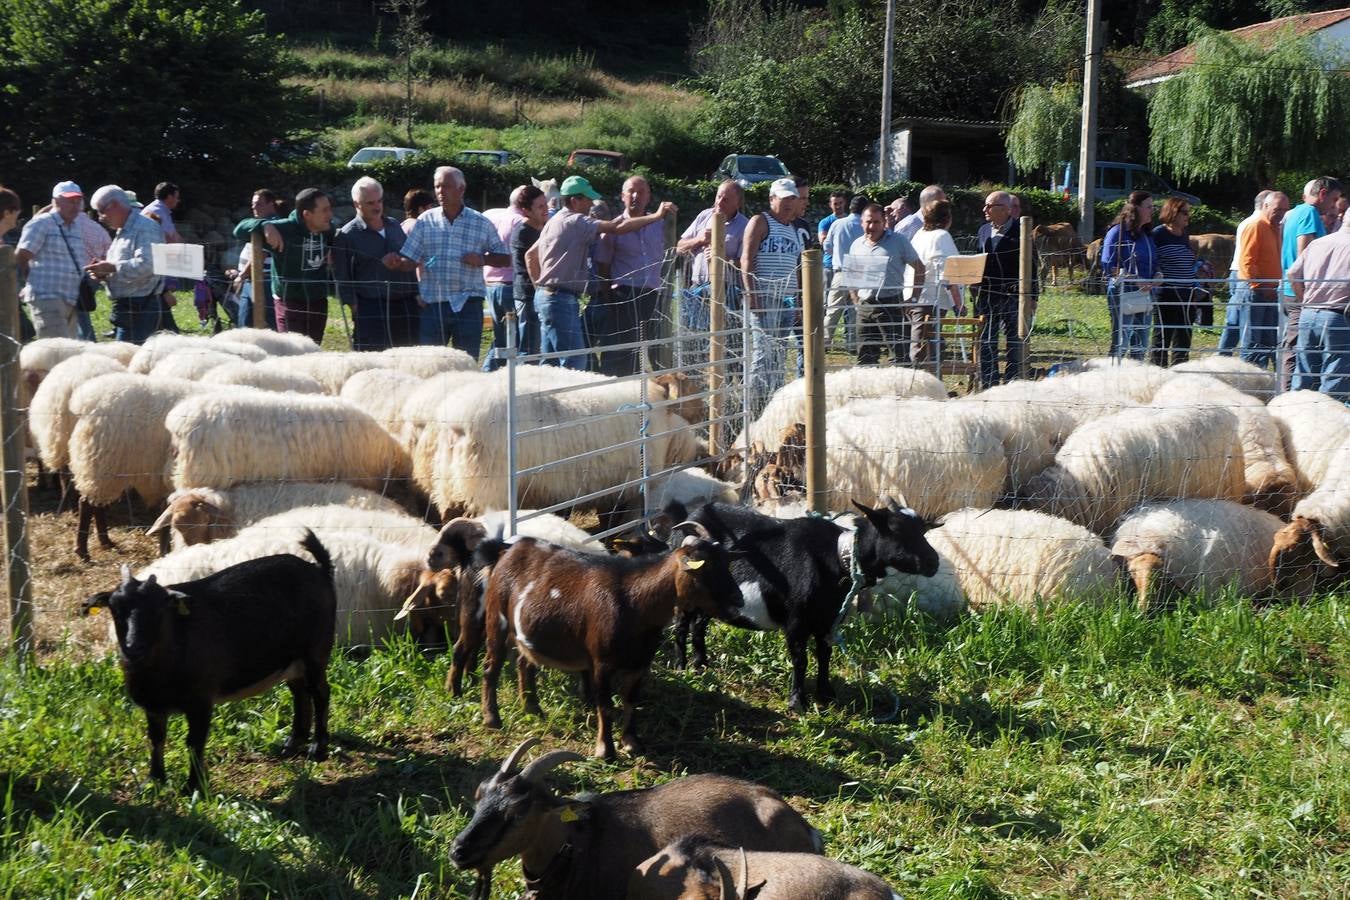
{"x":1249,"y":108}
{"x":1045,"y":128}
{"x":136,"y":91}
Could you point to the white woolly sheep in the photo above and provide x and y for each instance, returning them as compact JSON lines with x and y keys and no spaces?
{"x":940,"y":456}
{"x":387,"y":526}
{"x":543,"y":526}
{"x":425,"y":361}
{"x":1111,"y":464}
{"x":201,"y":515}
{"x":1314,"y":427}
{"x":1195,"y":546}
{"x":371,"y":578}
{"x":329,"y":369}
{"x":1235,"y":372}
{"x":689,"y":487}
{"x":787,"y":406}
{"x":163,"y":345}
{"x":250,"y":374}
{"x":224,"y":439}
{"x":462,"y":453}
{"x":1319,"y":526}
{"x":1270,"y":480}
{"x":50,"y":421}
{"x":1031,"y":425}
{"x":37,"y":358}
{"x":382,"y":393}
{"x":1000,"y":557}
{"x":191,"y":364}
{"x":273,"y":343}
{"x":420,"y":405}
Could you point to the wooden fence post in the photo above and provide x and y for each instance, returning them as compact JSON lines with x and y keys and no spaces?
{"x":1025,"y":300}
{"x":13,"y":426}
{"x":813,"y":346}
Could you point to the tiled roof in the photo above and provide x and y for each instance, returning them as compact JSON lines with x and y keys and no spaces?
{"x":1178,"y":60}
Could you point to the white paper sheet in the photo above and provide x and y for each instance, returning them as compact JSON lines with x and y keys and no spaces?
{"x":180,"y":260}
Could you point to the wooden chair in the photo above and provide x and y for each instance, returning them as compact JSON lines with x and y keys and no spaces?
{"x":957,"y":340}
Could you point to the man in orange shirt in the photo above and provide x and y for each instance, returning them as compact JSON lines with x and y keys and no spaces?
{"x":1259,"y":263}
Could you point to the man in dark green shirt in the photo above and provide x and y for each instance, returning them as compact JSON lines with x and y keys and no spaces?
{"x":301,"y":245}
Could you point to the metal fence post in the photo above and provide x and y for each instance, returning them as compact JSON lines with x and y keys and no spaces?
{"x":510,"y":324}
{"x":13,"y":427}
{"x":644,"y":425}
{"x":1025,"y":300}
{"x":813,"y":337}
{"x":717,"y":299}
{"x":262,"y":292}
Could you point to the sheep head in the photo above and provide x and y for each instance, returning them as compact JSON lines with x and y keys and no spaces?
{"x":197,"y":516}
{"x":431,"y":606}
{"x":682,"y":386}
{"x":1291,"y":555}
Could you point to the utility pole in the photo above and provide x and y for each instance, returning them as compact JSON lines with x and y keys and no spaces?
{"x":887,"y":56}
{"x":1087,"y":148}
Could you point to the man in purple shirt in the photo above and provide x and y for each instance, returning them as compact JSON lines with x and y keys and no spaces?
{"x":697,"y":242}
{"x":629,"y":266}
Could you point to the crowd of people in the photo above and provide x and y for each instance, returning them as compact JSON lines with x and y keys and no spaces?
{"x":1289,"y":286}
{"x":432,"y":277}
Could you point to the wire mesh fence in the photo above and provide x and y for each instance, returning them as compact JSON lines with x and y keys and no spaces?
{"x":1098,"y":464}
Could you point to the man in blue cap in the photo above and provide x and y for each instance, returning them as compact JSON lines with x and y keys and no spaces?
{"x":559,"y":266}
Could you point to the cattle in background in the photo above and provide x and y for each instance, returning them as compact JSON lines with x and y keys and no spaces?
{"x":1058,"y":246}
{"x":1095,"y":282}
{"x":1217,"y":248}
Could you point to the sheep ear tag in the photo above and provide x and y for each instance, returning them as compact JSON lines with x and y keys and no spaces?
{"x":693,"y":564}
{"x":568,"y":815}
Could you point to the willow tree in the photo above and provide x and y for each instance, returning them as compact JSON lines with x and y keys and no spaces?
{"x":1252,"y":108}
{"x":1045,"y":124}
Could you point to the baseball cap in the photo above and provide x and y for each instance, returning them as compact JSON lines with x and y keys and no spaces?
{"x":783,"y":187}
{"x":66,"y":189}
{"x":575,"y":186}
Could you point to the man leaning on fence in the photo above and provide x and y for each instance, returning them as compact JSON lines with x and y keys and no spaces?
{"x":383,"y":300}
{"x":697,"y":242}
{"x":770,"y":257}
{"x":1302,"y":225}
{"x":629,"y":265}
{"x":300,"y":256}
{"x":452,"y":243}
{"x":128,"y":269}
{"x":880,"y":308}
{"x":51,"y":257}
{"x":558,"y":265}
{"x":1320,"y":279}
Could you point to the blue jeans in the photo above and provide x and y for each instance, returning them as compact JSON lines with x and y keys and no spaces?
{"x":383,"y":322}
{"x":1263,"y":328}
{"x":246,"y":310}
{"x":135,"y":318}
{"x":559,"y":315}
{"x":1323,"y":353}
{"x":1235,"y":322}
{"x":1129,"y":334}
{"x":463,"y":330}
{"x":770,"y":331}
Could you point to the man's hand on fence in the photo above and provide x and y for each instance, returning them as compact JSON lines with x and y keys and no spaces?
{"x":668,"y":209}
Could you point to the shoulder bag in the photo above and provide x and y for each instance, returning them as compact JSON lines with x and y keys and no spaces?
{"x":87,"y":297}
{"x":1135,"y":302}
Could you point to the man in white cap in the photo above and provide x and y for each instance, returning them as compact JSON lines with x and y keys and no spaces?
{"x":770,"y":255}
{"x":128,"y":270}
{"x":558,"y":264}
{"x":52,"y":256}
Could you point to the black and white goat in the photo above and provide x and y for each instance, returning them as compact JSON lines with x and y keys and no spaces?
{"x":795,"y":575}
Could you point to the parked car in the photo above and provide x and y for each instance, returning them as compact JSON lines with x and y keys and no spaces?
{"x":367,"y":155}
{"x":746,"y":169}
{"x":1117,"y":180}
{"x":610,"y":158}
{"x":490,"y":157}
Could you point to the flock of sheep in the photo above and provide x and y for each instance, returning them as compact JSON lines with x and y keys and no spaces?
{"x":1184,"y":479}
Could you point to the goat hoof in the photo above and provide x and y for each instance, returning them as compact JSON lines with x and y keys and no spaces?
{"x":317,"y":752}
{"x":107,"y":543}
{"x":632,"y":746}
{"x":82,"y":555}
{"x":605,"y":753}
{"x":796,"y":704}
{"x":534,"y":710}
{"x":290,"y":749}
{"x":493,"y":721}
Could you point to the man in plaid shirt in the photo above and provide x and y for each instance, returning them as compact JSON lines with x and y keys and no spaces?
{"x":453,"y":244}
{"x":51,"y":254}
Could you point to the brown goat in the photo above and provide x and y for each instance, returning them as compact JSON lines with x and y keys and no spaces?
{"x":599,"y":615}
{"x":585,"y":849}
{"x":695,"y":869}
{"x":448,"y":595}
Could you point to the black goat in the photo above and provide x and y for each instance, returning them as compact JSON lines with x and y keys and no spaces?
{"x":230,"y":635}
{"x":795,"y":574}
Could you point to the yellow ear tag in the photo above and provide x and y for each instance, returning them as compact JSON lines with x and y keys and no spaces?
{"x":568,"y":815}
{"x":693,"y":563}
{"x":95,"y":610}
{"x":182,"y":608}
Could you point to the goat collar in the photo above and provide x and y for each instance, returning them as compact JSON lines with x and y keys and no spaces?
{"x":848,"y":543}
{"x":854,"y":579}
{"x":554,"y":875}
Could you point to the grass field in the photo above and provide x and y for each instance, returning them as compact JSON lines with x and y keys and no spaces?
{"x":1081,"y":751}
